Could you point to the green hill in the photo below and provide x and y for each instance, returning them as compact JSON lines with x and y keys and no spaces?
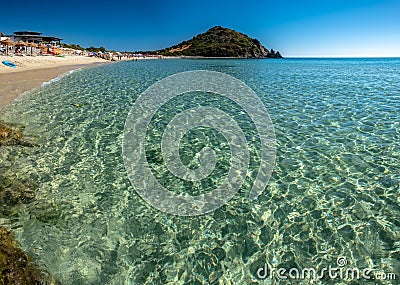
{"x":220,"y":42}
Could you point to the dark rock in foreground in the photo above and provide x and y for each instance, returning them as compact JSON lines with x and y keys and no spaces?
{"x":15,"y":266}
{"x":18,"y":192}
{"x":220,"y":42}
{"x":10,"y":135}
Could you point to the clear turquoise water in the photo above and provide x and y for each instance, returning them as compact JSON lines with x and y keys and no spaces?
{"x":334,"y":190}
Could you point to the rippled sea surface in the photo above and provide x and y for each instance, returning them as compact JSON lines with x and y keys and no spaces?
{"x":334,"y":190}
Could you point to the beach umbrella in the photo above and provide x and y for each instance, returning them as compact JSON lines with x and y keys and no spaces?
{"x":8,"y":42}
{"x":32,"y":45}
{"x":20,"y":43}
{"x":42,"y":47}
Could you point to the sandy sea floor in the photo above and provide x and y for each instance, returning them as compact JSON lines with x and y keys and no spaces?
{"x":333,"y":194}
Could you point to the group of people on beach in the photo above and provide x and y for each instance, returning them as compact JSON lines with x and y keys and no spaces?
{"x":116,"y":55}
{"x":10,"y":49}
{"x":52,"y":50}
{"x":21,"y":50}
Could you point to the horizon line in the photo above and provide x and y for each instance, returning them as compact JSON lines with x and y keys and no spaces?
{"x":340,"y":56}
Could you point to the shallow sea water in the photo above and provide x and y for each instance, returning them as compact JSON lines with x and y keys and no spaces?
{"x":334,"y":190}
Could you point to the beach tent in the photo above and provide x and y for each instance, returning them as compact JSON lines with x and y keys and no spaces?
{"x":7,"y":42}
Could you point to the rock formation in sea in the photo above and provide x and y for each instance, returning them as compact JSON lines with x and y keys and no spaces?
{"x":220,"y":42}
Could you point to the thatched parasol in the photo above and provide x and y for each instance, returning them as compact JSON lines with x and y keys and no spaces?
{"x":21,"y":43}
{"x":32,"y":45}
{"x":7,"y":42}
{"x":42,"y":47}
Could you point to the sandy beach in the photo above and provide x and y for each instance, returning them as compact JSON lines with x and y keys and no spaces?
{"x":31,"y":72}
{"x":39,"y":62}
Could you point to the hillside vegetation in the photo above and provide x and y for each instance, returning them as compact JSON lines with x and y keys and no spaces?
{"x":220,"y":42}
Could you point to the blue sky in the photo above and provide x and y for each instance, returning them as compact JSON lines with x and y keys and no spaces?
{"x":296,"y":28}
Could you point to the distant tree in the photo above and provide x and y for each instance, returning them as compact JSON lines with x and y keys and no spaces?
{"x":73,"y":46}
{"x":96,"y":49}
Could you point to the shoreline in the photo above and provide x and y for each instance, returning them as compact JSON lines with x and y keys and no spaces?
{"x":32,"y":71}
{"x":14,"y":84}
{"x":24,"y":63}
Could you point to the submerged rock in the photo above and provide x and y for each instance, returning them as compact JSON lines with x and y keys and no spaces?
{"x":15,"y":265}
{"x":14,"y":193}
{"x":45,"y":211}
{"x":10,"y":135}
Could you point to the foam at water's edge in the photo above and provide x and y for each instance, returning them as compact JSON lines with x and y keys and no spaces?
{"x":59,"y":77}
{"x":46,"y":83}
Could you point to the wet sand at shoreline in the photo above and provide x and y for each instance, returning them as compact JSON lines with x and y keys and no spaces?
{"x":15,"y":83}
